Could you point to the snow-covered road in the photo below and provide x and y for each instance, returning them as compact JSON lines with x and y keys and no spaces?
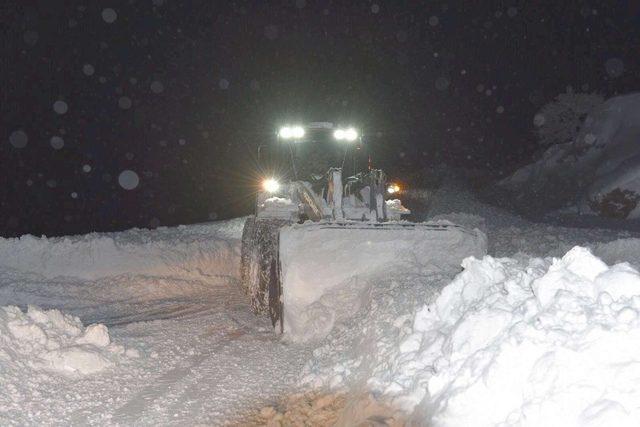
{"x":204,"y":358}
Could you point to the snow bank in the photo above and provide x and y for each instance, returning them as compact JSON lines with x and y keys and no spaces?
{"x":49,"y":340}
{"x":547,"y":343}
{"x":349,"y":257}
{"x":534,"y":342}
{"x":194,"y":251}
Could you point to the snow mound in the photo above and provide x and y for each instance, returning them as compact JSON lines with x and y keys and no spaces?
{"x":598,"y":172}
{"x":49,"y":340}
{"x":552,"y":342}
{"x":194,"y":251}
{"x":530,"y":342}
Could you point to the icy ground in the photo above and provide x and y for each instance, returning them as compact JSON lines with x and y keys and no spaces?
{"x":181,"y":346}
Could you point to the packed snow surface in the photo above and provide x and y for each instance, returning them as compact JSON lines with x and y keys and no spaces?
{"x":136,"y":328}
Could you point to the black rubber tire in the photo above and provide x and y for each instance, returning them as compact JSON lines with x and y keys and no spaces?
{"x":260,"y":266}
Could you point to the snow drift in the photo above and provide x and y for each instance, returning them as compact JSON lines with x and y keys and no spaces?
{"x":49,"y":340}
{"x":326,"y":269}
{"x":521,"y":342}
{"x":598,"y":172}
{"x":195,"y":251}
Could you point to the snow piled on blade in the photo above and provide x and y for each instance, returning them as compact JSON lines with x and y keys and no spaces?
{"x":349,"y":256}
{"x":51,"y":341}
{"x":526,"y":342}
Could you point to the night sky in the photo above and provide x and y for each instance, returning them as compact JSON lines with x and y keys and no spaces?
{"x":148,"y":112}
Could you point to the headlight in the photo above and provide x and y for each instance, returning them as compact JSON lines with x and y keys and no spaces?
{"x":291,"y":132}
{"x":345,"y":134}
{"x":270,"y":185}
{"x":393,"y":189}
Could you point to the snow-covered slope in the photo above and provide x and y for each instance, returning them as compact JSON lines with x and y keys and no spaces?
{"x":598,"y":172}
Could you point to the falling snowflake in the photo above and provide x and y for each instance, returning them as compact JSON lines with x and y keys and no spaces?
{"x":614,"y":67}
{"x":500,"y":109}
{"x":224,"y":84}
{"x":109,"y":15}
{"x":124,"y":102}
{"x":375,"y":8}
{"x":86,"y":168}
{"x":157,"y":87}
{"x":442,"y":83}
{"x":434,"y":21}
{"x":57,"y":142}
{"x":74,"y":195}
{"x":128,"y":179}
{"x":18,"y":138}
{"x":60,"y":107}
{"x":88,"y":69}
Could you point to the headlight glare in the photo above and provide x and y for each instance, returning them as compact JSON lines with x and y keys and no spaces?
{"x":270,"y":185}
{"x":291,"y":132}
{"x":349,"y":134}
{"x":393,"y":189}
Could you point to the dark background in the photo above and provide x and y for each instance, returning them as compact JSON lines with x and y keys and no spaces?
{"x":431,"y":83}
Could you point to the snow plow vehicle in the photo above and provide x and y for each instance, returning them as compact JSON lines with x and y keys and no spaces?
{"x":323,"y":208}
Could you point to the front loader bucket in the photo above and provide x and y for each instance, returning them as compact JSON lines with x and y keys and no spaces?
{"x":325,"y":266}
{"x":302,"y":274}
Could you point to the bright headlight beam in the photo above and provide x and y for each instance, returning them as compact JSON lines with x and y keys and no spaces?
{"x":297,"y":131}
{"x":349,"y":134}
{"x":285,"y":132}
{"x":270,"y":185}
{"x":291,"y":132}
